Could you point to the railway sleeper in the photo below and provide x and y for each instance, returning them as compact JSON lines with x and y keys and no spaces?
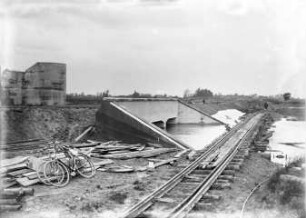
{"x":239,"y":156}
{"x":165,"y":200}
{"x":239,"y":163}
{"x":193,"y":179}
{"x":203,"y":206}
{"x":228,"y":177}
{"x":222,"y":181}
{"x":218,"y":186}
{"x":237,"y":160}
{"x":209,"y":196}
{"x":233,"y":167}
{"x":190,"y":183}
{"x":209,"y":166}
{"x":228,"y":172}
{"x":201,"y":171}
{"x":260,"y":147}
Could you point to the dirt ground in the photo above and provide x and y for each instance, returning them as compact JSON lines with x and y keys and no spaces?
{"x":105,"y":195}
{"x":109,"y":194}
{"x":254,"y":170}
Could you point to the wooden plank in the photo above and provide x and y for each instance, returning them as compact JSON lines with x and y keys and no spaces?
{"x":24,"y":181}
{"x":102,"y":163}
{"x":9,"y":207}
{"x":8,"y":184}
{"x":20,"y":172}
{"x":12,"y":161}
{"x":19,"y":191}
{"x":121,"y":169}
{"x":158,"y":164}
{"x":83,"y":134}
{"x":86,"y":145}
{"x":15,"y":167}
{"x":29,"y":174}
{"x":154,"y":145}
{"x":181,"y":153}
{"x":11,"y":201}
{"x":145,"y":153}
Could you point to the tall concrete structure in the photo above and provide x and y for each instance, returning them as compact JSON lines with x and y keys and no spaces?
{"x":42,"y":84}
{"x":45,"y":84}
{"x":11,"y":87}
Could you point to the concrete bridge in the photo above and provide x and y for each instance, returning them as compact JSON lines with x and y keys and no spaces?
{"x":164,"y":111}
{"x":145,"y":119}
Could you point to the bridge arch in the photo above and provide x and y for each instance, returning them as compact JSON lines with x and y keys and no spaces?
{"x":171,"y":121}
{"x":161,"y":124}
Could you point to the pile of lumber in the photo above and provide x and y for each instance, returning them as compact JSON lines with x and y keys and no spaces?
{"x":153,"y":164}
{"x":17,"y":171}
{"x":11,"y":172}
{"x":10,"y":198}
{"x":22,"y":171}
{"x":118,"y":150}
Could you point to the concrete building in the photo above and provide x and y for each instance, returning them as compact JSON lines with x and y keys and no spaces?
{"x":41,"y":84}
{"x":11,"y":87}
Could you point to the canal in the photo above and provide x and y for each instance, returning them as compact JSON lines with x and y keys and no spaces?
{"x":196,"y":136}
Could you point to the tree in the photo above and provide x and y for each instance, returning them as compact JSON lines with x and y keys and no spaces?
{"x":135,"y":95}
{"x":186,"y":93}
{"x":105,"y":93}
{"x":287,"y":96}
{"x":203,"y":93}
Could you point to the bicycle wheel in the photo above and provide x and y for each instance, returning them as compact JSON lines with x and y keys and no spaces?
{"x":41,"y":174}
{"x":84,"y":166}
{"x":56,"y":173}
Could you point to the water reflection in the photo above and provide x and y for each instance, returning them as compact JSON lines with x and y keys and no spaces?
{"x":196,"y":135}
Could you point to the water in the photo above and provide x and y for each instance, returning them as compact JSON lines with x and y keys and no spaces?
{"x":195,"y":135}
{"x":289,"y":138}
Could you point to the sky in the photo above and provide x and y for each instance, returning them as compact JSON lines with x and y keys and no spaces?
{"x":161,"y":46}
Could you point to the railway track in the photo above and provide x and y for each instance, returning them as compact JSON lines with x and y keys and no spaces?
{"x":24,"y":145}
{"x":178,"y":196}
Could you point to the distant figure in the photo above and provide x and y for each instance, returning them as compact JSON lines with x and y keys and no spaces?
{"x":266,"y":105}
{"x":203,"y":101}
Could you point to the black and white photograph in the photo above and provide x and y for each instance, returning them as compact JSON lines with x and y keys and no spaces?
{"x":152,"y":108}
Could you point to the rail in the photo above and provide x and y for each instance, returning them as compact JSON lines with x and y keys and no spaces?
{"x":170,"y":184}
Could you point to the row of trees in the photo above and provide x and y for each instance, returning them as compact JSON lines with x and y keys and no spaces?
{"x":86,"y":98}
{"x":200,"y":93}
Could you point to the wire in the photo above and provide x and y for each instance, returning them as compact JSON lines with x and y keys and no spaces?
{"x":253,"y":190}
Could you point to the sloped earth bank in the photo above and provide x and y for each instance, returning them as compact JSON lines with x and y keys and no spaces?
{"x":61,"y":123}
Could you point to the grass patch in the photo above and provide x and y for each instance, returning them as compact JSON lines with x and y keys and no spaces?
{"x":118,"y":197}
{"x":139,"y":186}
{"x":289,"y":193}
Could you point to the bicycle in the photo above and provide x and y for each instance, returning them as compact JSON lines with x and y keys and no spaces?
{"x":58,"y":172}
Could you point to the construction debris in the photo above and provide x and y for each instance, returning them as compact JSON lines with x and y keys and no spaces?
{"x":137,"y":154}
{"x":80,"y":137}
{"x":10,"y":198}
